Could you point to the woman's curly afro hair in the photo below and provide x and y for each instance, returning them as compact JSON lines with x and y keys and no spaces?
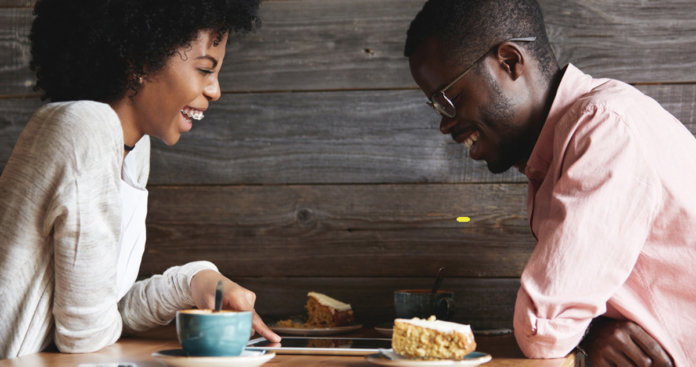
{"x":98,"y":49}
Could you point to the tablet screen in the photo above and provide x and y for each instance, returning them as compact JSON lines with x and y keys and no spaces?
{"x":322,"y":345}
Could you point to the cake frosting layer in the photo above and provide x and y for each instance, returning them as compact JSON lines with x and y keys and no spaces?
{"x":329,"y":302}
{"x":439,"y":325}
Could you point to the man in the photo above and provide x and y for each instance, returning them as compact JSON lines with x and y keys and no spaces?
{"x":612,"y":178}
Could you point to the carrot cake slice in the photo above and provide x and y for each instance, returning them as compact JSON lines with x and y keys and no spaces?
{"x":324,"y":311}
{"x":432,"y":339}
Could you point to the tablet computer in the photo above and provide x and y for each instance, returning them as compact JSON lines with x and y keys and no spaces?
{"x":321,"y":345}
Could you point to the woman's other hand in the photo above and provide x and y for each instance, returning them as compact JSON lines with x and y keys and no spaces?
{"x":235,"y":298}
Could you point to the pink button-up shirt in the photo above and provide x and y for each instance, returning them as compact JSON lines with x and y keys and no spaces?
{"x":612,"y":204}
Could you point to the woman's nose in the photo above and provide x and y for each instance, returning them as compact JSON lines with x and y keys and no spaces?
{"x":212,"y":90}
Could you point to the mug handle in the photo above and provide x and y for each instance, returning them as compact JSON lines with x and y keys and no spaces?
{"x":444,"y":308}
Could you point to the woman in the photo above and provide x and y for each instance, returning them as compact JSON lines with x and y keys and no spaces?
{"x":72,"y":195}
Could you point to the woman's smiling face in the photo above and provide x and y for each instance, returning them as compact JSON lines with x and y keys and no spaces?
{"x":170,"y":100}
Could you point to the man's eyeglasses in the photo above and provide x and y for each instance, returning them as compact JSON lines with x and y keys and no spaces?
{"x":439,"y":100}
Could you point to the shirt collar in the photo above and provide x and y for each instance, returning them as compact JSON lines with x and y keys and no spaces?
{"x":574,"y":84}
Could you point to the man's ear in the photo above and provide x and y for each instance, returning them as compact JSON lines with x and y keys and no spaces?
{"x":511,"y":59}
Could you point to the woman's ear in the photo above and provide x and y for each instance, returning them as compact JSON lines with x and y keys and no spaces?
{"x":511,"y":59}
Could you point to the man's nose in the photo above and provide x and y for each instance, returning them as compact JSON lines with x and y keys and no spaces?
{"x":446,"y":124}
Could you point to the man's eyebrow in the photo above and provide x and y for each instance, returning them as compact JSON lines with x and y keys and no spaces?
{"x":215,"y":62}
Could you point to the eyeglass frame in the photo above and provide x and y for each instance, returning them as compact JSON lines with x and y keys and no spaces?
{"x":441,"y":109}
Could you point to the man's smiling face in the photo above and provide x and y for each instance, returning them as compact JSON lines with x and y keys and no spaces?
{"x":485,"y":119}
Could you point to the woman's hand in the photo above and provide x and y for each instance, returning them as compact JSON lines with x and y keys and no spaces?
{"x":623,"y":343}
{"x":235,"y":298}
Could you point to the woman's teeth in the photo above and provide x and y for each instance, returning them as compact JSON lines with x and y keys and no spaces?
{"x":193,"y":114}
{"x":471,"y":139}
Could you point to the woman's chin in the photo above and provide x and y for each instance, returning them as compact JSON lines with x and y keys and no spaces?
{"x":185,"y":125}
{"x":171,"y":139}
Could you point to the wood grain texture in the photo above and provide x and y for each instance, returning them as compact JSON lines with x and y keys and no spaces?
{"x":139,"y":349}
{"x":321,"y":168}
{"x":15,"y":115}
{"x":358,"y":44}
{"x":339,"y":137}
{"x":630,"y":40}
{"x":15,"y":76}
{"x":622,"y":40}
{"x":482,"y":302}
{"x":16,"y":3}
{"x":309,"y":138}
{"x":341,"y":230}
{"x":679,"y":100}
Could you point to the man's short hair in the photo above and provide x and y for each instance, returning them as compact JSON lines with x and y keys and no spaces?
{"x":469,"y":28}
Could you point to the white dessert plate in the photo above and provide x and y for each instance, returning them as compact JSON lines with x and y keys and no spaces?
{"x":316,"y":331}
{"x":387,"y":357}
{"x":178,"y":358}
{"x":386,"y":328}
{"x":322,"y":345}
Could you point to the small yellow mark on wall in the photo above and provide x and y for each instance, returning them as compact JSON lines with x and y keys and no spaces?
{"x":463,"y":219}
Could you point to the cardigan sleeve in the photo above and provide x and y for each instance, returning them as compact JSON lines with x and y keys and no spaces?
{"x":154,"y":301}
{"x":83,"y":145}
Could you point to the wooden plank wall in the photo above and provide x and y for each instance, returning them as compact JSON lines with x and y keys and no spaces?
{"x":322,"y":169}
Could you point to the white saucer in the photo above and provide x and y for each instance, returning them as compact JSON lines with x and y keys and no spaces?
{"x":178,"y":358}
{"x":316,"y":331}
{"x":387,"y":357}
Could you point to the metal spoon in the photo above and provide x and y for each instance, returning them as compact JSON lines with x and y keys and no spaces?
{"x":388,"y":354}
{"x":438,"y":280}
{"x":219,"y":289}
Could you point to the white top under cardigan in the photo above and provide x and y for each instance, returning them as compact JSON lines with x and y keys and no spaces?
{"x":60,"y":226}
{"x":131,"y":243}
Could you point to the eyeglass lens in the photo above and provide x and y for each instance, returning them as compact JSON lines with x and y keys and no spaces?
{"x":442,"y":105}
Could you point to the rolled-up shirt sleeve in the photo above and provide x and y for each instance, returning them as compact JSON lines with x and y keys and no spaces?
{"x":590,"y":231}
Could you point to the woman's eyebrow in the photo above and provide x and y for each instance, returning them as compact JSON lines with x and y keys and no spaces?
{"x":214,"y":60}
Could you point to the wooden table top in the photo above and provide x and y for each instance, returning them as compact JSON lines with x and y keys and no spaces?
{"x":139,"y":349}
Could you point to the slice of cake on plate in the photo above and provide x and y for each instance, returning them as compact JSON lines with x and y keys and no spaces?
{"x":324,"y":311}
{"x":432,"y":339}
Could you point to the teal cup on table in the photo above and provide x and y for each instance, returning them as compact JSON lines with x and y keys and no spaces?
{"x":422,"y":303}
{"x":209,"y":333}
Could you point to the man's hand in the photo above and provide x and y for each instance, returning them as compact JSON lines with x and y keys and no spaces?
{"x":235,"y":298}
{"x":622,"y":343}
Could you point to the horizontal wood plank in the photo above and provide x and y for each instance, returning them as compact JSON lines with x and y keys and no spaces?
{"x":337,"y":44}
{"x":358,"y":44}
{"x":340,"y":137}
{"x":631,"y":40}
{"x":15,"y":76}
{"x":484,"y":303}
{"x":16,"y":3}
{"x":308,"y":138}
{"x":679,"y":100}
{"x":341,"y":230}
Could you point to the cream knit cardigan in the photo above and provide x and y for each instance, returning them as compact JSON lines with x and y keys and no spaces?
{"x":59,"y":231}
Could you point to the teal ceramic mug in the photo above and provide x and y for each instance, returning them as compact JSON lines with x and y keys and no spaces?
{"x":208,"y":333}
{"x":422,"y":303}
